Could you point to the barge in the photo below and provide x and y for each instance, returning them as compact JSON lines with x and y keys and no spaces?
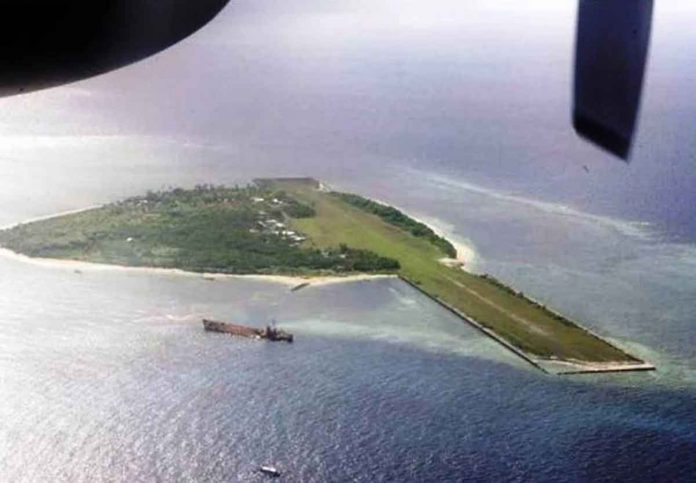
{"x":268,"y":333}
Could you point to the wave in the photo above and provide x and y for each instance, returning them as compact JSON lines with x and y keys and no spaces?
{"x":635,"y":229}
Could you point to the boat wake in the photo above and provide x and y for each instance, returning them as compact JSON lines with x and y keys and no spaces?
{"x":457,"y":340}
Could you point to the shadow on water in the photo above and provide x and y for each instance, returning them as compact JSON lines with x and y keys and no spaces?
{"x":611,"y":51}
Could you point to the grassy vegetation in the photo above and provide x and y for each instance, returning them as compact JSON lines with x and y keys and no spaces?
{"x":395,"y":217}
{"x":527,"y":325}
{"x":290,"y":226}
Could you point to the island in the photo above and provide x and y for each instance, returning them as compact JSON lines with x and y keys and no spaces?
{"x":299,"y":227}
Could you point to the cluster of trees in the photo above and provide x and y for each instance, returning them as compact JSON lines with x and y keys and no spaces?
{"x":397,"y":218}
{"x":295,"y":209}
{"x":221,"y":241}
{"x":200,"y":194}
{"x":354,"y":259}
{"x":207,"y":194}
{"x":292,"y":207}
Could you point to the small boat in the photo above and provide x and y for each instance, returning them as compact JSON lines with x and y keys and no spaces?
{"x":270,"y":471}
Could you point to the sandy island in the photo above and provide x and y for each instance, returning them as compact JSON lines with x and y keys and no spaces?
{"x":290,"y":280}
{"x":465,"y":258}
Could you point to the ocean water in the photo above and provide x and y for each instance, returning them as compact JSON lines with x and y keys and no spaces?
{"x":457,"y":112}
{"x":108,"y":376}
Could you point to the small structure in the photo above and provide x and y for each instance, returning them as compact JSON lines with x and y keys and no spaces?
{"x":270,"y":471}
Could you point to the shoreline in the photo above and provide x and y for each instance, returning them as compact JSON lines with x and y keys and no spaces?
{"x":54,"y":215}
{"x":466,"y":254}
{"x":289,"y":280}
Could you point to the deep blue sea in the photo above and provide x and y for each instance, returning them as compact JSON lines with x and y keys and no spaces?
{"x":457,"y":112}
{"x":108,"y":376}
